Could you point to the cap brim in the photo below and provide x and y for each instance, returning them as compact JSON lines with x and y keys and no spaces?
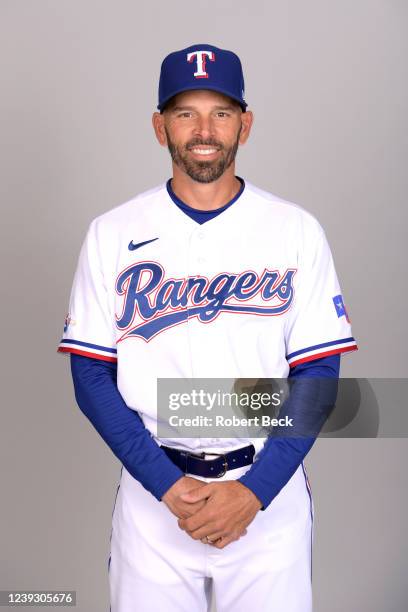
{"x":241,"y":102}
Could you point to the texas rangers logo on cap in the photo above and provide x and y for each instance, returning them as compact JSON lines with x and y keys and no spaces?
{"x":201,"y":67}
{"x":200,"y":57}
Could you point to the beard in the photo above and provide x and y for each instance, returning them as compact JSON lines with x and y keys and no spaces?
{"x":203,"y":171}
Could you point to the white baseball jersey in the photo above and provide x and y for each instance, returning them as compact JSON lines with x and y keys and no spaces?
{"x":248,"y":294}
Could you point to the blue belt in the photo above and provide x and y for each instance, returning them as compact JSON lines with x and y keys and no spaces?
{"x":198,"y":465}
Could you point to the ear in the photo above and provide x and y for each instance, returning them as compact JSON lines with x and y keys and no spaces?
{"x":247,"y":120}
{"x":158,"y":126}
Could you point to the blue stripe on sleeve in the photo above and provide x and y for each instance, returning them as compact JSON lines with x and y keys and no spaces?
{"x":318,"y":346}
{"x":88,"y":345}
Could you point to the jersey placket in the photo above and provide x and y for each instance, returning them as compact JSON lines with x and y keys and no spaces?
{"x":200,"y":265}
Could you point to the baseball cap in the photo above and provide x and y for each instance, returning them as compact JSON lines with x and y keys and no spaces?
{"x":201,"y":67}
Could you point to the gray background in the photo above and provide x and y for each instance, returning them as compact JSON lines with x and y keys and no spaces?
{"x":327,"y":82}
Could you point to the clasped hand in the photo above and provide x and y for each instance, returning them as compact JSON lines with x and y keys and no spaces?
{"x":219,"y":511}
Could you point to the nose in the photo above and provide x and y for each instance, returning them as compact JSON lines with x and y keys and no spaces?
{"x":204,"y":127}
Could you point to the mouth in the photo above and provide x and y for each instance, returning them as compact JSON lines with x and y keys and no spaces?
{"x":202,"y":151}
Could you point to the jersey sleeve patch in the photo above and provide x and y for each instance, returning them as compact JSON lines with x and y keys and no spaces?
{"x":340,"y":307}
{"x":88,"y":350}
{"x":321,"y":350}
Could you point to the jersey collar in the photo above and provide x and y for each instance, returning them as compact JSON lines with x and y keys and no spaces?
{"x":201,"y":216}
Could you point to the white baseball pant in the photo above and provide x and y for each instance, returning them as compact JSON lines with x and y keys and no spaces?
{"x":154,"y":565}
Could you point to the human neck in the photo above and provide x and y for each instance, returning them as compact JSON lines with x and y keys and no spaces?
{"x":205,"y":196}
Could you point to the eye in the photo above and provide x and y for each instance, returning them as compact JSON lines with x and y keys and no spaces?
{"x":185,"y":115}
{"x":222,"y":114}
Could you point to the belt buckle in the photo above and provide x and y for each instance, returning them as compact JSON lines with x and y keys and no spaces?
{"x":224,"y":466}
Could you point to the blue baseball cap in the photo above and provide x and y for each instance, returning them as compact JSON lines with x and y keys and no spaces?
{"x":201,"y":67}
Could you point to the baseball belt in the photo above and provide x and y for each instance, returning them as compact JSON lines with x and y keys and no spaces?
{"x":197,"y":464}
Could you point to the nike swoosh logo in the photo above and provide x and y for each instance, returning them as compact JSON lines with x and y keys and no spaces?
{"x":133,"y":247}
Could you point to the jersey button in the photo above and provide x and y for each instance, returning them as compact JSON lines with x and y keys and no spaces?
{"x":200,"y":235}
{"x":201,"y":260}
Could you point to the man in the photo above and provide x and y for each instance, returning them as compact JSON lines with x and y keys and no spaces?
{"x":205,"y":276}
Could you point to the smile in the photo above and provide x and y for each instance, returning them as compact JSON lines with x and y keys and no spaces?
{"x":199,"y":151}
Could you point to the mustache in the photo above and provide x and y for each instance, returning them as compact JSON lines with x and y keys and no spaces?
{"x":199,"y":141}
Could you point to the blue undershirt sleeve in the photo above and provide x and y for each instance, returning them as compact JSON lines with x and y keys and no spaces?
{"x":281,"y":456}
{"x":123,"y":430}
{"x":120,"y":427}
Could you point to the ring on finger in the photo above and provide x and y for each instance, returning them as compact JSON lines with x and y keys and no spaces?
{"x":208,"y":540}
